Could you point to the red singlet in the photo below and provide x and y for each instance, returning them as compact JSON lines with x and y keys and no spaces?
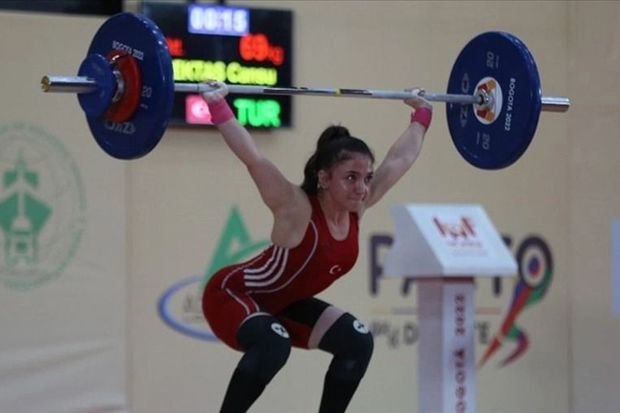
{"x":278,"y":277}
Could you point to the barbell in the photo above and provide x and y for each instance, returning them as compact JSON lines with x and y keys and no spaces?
{"x":126,"y":87}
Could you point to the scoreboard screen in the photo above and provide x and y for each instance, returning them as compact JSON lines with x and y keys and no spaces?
{"x":235,"y":45}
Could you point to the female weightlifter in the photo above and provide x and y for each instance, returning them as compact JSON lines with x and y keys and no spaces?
{"x":265,"y":305}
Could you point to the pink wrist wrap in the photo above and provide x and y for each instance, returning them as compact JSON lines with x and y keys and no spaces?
{"x":220,"y":111}
{"x":423,"y":116}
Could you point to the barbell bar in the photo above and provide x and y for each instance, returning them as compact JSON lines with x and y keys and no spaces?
{"x":82,"y":84}
{"x":125,"y":87}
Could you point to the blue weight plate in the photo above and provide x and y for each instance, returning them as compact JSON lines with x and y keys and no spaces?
{"x":141,"y":38}
{"x":97,"y":67}
{"x":500,"y":64}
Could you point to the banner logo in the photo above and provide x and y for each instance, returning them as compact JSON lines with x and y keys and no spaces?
{"x":42,"y":206}
{"x":180,"y":306}
{"x":535,"y":275}
{"x":396,"y":325}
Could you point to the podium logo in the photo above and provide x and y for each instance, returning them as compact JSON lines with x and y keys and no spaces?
{"x":459,"y":234}
{"x":462,"y":229}
{"x":42,"y":207}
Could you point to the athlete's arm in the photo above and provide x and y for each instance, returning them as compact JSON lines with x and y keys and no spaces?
{"x":402,"y":154}
{"x":288,"y":203}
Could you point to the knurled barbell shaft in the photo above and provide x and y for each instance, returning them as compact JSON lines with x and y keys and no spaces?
{"x":307,"y":91}
{"x":81,"y":84}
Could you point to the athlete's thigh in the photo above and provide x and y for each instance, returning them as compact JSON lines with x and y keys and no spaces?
{"x":308,"y":320}
{"x":226,"y":310}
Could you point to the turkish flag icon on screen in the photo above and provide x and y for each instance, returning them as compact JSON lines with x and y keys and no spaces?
{"x":197,"y":111}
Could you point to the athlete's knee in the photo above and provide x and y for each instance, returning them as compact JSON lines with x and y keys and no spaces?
{"x":266,"y":345}
{"x":352,"y":344}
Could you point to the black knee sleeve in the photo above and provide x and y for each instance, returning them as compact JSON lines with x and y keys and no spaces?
{"x":267,"y":346}
{"x":351,"y":344}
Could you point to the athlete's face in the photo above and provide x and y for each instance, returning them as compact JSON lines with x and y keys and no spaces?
{"x":347,"y":182}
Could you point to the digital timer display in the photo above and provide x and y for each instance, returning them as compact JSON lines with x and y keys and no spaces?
{"x":236,"y":45}
{"x":225,"y":21}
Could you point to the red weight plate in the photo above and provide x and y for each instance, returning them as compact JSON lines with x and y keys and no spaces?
{"x":126,"y":106}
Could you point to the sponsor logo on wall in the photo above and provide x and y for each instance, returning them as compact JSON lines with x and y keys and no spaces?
{"x":42,"y":206}
{"x":180,"y":306}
